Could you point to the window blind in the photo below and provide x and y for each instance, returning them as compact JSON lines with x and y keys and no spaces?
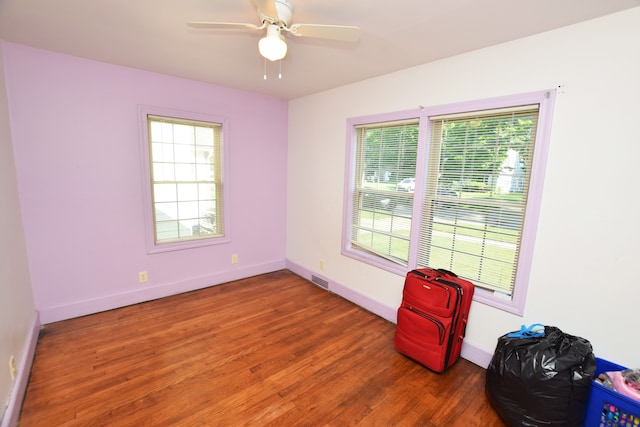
{"x":385,"y":166}
{"x":476,"y":194}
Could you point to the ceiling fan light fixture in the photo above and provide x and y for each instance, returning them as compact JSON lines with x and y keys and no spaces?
{"x":272,"y":46}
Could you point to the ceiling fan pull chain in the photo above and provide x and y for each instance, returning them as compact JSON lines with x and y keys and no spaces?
{"x":265,"y":68}
{"x":280,"y":72}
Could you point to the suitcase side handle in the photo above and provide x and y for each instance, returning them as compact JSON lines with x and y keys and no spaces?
{"x":419,"y":273}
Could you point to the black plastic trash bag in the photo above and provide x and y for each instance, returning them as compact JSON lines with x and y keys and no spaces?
{"x":541,"y":380}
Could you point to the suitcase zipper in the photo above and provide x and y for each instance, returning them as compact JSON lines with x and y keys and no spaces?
{"x":434,"y":283}
{"x":437,"y":322}
{"x":443,"y":288}
{"x":454,"y":324}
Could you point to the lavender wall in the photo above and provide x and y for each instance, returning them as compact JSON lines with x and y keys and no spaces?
{"x":76,"y":143}
{"x":19,"y":323}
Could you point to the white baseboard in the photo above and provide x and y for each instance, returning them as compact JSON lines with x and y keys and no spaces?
{"x":470,"y":351}
{"x":12,"y":413}
{"x":151,"y":292}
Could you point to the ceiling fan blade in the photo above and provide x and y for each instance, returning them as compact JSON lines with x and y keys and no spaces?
{"x":266,"y":7}
{"x":228,"y":25}
{"x":331,"y":32}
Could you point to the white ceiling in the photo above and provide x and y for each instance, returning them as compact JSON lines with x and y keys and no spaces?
{"x":396,"y":34}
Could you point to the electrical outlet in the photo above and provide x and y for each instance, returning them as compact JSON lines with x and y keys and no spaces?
{"x":13,"y":368}
{"x":234,"y":259}
{"x":143,"y":277}
{"x":321,"y":264}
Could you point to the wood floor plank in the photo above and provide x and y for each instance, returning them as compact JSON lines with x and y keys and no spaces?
{"x":270,"y":350}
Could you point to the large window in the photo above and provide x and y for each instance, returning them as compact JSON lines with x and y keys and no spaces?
{"x":184,"y":164}
{"x":455,"y":187}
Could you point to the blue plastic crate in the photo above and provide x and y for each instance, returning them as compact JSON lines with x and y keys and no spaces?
{"x":608,"y":407}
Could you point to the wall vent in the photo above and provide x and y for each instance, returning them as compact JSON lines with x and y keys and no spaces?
{"x":320,"y":282}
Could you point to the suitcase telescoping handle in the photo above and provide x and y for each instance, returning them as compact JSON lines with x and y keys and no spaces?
{"x":450,"y":273}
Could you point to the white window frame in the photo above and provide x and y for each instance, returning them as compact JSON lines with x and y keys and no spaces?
{"x":545,"y":100}
{"x":223,"y":236}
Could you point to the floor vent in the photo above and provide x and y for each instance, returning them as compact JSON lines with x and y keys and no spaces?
{"x":320,"y":282}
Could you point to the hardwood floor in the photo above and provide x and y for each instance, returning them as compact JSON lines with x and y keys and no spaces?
{"x":271,"y":350}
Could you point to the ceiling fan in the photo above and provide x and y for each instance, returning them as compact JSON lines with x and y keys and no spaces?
{"x":275,"y":16}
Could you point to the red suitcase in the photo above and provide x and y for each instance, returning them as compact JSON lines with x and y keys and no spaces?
{"x":432,"y":318}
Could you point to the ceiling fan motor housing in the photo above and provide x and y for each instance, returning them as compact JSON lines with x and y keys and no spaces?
{"x":284,"y":9}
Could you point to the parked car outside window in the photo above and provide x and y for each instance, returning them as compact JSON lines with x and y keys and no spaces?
{"x":407,"y":184}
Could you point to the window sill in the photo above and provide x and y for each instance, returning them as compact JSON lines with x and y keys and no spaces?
{"x":482,"y":296}
{"x":191,"y":244}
